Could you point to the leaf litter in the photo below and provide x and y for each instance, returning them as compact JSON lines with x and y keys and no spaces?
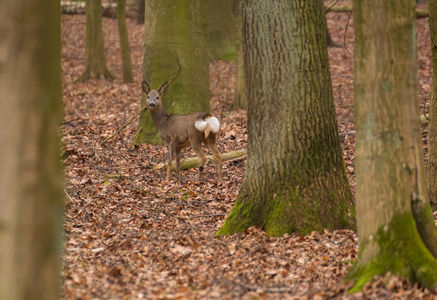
{"x":130,"y":234}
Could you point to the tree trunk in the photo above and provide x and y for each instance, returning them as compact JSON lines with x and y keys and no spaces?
{"x":30,"y":173}
{"x":432,"y":135}
{"x":222,"y":29}
{"x":176,"y":31}
{"x":395,"y":227}
{"x":295,"y":179}
{"x":124,"y":42}
{"x":240,"y":101}
{"x":95,"y":63}
{"x":141,"y":8}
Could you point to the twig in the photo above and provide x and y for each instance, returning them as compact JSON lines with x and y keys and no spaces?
{"x":69,"y":121}
{"x":345,"y":31}
{"x":194,"y":217}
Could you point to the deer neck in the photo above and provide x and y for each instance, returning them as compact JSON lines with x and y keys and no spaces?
{"x":159,"y":117}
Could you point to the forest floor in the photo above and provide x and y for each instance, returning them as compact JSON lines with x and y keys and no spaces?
{"x":130,"y":234}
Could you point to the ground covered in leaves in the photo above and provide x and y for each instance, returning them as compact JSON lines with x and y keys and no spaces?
{"x":130,"y":234}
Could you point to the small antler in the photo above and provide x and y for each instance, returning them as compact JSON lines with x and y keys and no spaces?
{"x":179,"y":70}
{"x":163,"y":88}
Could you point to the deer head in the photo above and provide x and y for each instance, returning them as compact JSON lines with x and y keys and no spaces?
{"x":153,"y":97}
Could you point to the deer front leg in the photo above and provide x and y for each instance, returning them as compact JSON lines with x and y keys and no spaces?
{"x":171,"y":150}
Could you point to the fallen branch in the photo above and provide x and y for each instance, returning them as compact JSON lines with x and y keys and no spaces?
{"x":420,"y":13}
{"x":123,"y":126}
{"x":194,"y":161}
{"x":195,"y":217}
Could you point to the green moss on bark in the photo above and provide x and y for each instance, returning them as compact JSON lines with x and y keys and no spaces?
{"x":400,"y":251}
{"x":176,"y":31}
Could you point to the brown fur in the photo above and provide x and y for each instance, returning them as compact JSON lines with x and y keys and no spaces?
{"x":178,"y":132}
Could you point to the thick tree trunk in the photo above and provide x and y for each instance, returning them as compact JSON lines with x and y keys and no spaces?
{"x":30,"y":174}
{"x":395,"y":225}
{"x":176,"y":31}
{"x":95,"y":63}
{"x":124,"y":42}
{"x":432,"y":135}
{"x":295,"y":179}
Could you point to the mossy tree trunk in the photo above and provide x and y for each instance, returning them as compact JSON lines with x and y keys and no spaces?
{"x":395,"y":226}
{"x":222,"y":29}
{"x":432,"y":135}
{"x":124,"y":42}
{"x":95,"y":62}
{"x":295,"y":179}
{"x":31,"y":194}
{"x":176,"y":30}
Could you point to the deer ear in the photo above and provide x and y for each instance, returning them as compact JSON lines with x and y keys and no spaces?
{"x":146,"y":87}
{"x":163,"y":88}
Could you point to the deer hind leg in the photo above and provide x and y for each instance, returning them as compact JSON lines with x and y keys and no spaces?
{"x":202,"y":158}
{"x":178,"y":162}
{"x":211,"y":145}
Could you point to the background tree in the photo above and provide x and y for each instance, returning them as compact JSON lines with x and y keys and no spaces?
{"x":95,"y":63}
{"x":240,"y":101}
{"x":141,"y":8}
{"x":395,"y":226}
{"x":176,"y":30}
{"x":30,"y":174}
{"x":124,"y":42}
{"x":432,"y":135}
{"x":222,"y":28}
{"x":295,"y":178}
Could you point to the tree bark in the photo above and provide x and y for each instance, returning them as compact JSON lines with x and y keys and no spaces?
{"x":30,"y":174}
{"x":395,"y":227}
{"x":95,"y":63}
{"x":124,"y":42}
{"x":432,"y":127}
{"x":295,"y":179}
{"x":176,"y":31}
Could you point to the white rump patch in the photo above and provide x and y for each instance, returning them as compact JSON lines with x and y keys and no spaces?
{"x":209,"y":124}
{"x":200,"y":125}
{"x":213,"y":123}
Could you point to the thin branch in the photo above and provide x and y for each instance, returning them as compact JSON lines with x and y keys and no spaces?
{"x":345,"y":31}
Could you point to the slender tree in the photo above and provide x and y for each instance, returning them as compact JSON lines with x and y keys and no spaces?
{"x":240,"y":101}
{"x":432,"y":135}
{"x":395,"y":226}
{"x":30,"y":186}
{"x":295,"y":179}
{"x":222,"y":29}
{"x":124,"y":42}
{"x":95,"y":63}
{"x":176,"y":31}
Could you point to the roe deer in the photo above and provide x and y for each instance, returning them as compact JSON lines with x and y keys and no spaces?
{"x":181,"y":131}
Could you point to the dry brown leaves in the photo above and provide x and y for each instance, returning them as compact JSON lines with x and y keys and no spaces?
{"x":129,"y":234}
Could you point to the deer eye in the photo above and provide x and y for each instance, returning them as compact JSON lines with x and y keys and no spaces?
{"x":157,"y":98}
{"x":148,"y":97}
